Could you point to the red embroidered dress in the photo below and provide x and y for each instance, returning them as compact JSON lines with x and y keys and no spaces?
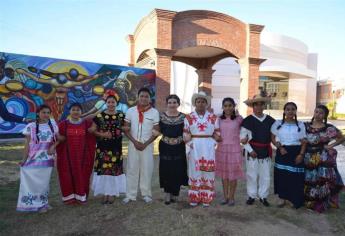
{"x":75,"y":160}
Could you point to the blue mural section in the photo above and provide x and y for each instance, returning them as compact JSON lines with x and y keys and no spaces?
{"x":27,"y":82}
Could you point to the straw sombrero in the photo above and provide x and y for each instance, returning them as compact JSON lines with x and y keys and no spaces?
{"x":203,"y":95}
{"x":257,"y":98}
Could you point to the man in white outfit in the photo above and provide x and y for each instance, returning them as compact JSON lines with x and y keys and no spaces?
{"x":256,"y":129}
{"x":141,"y":128}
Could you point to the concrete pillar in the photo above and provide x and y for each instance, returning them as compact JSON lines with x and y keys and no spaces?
{"x":130,"y":41}
{"x":302,"y":91}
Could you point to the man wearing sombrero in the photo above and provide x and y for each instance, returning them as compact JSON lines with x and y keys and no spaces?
{"x":256,"y":129}
{"x":200,"y":127}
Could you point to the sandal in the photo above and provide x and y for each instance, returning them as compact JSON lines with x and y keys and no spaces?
{"x":231,"y":203}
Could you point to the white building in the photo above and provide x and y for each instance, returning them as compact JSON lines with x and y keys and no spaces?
{"x":288,"y":74}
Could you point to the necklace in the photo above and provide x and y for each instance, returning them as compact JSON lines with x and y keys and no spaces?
{"x":75,"y":121}
{"x":172,"y":114}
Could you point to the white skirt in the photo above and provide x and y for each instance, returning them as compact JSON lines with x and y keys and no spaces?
{"x":34,"y":188}
{"x":108,"y":184}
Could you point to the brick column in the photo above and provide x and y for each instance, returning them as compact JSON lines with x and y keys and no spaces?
{"x":254,"y":74}
{"x":254,"y":60}
{"x":163,"y":73}
{"x":205,"y":80}
{"x":163,"y":55}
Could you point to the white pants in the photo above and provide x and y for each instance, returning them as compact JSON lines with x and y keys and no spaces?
{"x":139,"y":168}
{"x":258,"y":169}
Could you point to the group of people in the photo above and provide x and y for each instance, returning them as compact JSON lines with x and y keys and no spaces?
{"x":193,"y":150}
{"x":305,"y":168}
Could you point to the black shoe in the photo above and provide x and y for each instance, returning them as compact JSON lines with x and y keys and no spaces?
{"x":264,"y":202}
{"x":167,"y":202}
{"x":250,"y":201}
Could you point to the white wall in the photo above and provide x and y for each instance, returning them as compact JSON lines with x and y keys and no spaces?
{"x":290,"y":57}
{"x":286,"y":54}
{"x":184,"y":83}
{"x":225,"y":83}
{"x":302,"y":91}
{"x":340,"y":107}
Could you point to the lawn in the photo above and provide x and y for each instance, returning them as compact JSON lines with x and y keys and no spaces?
{"x":154,"y":219}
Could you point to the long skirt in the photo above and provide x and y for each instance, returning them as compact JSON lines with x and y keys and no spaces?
{"x":201,"y":170}
{"x":289,"y":177}
{"x":172,"y":174}
{"x":172,"y":167}
{"x":322,"y":180}
{"x":34,"y":188}
{"x":108,"y":184}
{"x":74,"y":177}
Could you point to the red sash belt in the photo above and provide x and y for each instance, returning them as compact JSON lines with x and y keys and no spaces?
{"x":262,"y":145}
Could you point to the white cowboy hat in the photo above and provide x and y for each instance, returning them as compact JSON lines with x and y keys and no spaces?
{"x":203,"y":95}
{"x":257,"y":98}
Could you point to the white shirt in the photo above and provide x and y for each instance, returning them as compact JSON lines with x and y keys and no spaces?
{"x":288,"y":133}
{"x":44,"y":134}
{"x":142,"y":132}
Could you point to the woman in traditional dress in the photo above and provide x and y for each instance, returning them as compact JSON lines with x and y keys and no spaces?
{"x":75,"y":156}
{"x":108,"y":178}
{"x":37,"y":164}
{"x":322,"y":179}
{"x":288,"y":135}
{"x":172,"y":151}
{"x":229,"y":162}
{"x":199,"y":128}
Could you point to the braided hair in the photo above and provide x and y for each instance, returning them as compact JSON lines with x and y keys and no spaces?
{"x":40,"y":108}
{"x":233,"y":115}
{"x":295,"y":118}
{"x":325,"y":110}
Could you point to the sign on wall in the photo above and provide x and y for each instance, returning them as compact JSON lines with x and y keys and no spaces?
{"x":27,"y":82}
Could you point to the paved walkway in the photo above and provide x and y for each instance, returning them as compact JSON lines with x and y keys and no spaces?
{"x":341,"y":160}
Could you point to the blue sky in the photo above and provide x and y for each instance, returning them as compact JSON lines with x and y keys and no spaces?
{"x":95,"y":30}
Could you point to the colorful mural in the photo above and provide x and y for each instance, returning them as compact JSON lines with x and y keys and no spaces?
{"x":29,"y":81}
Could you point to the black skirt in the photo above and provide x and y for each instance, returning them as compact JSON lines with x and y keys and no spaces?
{"x":289,"y":177}
{"x":172,"y":167}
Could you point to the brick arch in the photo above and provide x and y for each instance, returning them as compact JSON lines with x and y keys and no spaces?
{"x":202,"y":62}
{"x":166,"y":32}
{"x":207,"y":28}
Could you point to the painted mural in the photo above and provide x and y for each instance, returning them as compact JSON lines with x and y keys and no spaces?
{"x":27,"y":82}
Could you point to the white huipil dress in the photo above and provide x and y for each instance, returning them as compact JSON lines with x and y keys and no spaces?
{"x":201,"y":156}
